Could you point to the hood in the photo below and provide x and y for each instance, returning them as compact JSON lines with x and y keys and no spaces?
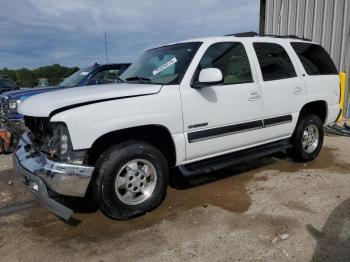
{"x":43,"y":104}
{"x":3,"y":90}
{"x":24,"y":93}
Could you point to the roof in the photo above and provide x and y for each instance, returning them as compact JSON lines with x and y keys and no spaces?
{"x":246,"y":36}
{"x":233,"y":37}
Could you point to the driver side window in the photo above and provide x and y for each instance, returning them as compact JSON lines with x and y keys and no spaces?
{"x":231,"y":59}
{"x":104,"y":77}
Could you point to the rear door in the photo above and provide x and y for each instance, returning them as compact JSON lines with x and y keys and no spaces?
{"x":283,"y":89}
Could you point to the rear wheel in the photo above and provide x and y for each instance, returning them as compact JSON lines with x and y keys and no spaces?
{"x":307,"y":139}
{"x":131,"y":179}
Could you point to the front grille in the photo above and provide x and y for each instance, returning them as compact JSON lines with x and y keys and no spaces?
{"x":39,"y":129}
{"x":39,"y":126}
{"x":4,"y":106}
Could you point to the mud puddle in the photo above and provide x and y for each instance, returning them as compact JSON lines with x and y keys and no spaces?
{"x":17,"y":207}
{"x":12,"y":192}
{"x":327,"y":160}
{"x":226,"y":189}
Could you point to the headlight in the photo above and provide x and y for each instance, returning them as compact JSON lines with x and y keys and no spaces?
{"x":60,"y":144}
{"x":13,"y":104}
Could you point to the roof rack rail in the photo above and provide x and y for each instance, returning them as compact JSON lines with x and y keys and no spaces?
{"x":244,"y":34}
{"x":289,"y":36}
{"x":252,"y":34}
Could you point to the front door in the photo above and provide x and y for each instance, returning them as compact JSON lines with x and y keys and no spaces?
{"x":222,"y":118}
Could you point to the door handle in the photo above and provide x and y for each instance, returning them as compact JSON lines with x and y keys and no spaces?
{"x":254,"y":96}
{"x":297,"y":90}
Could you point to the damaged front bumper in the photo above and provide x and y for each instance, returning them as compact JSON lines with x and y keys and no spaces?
{"x":40,"y":173}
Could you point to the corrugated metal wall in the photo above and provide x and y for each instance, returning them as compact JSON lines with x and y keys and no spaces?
{"x":324,"y":21}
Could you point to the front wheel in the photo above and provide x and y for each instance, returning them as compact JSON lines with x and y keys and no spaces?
{"x":307,"y":139}
{"x":131,"y":179}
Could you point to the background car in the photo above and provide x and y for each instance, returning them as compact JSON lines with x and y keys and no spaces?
{"x":7,"y":85}
{"x":94,"y":75}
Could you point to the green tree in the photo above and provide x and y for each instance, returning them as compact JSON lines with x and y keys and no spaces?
{"x":29,"y":78}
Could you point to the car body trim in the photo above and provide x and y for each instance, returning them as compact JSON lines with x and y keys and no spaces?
{"x":237,"y":128}
{"x":277,"y":120}
{"x":223,"y":131}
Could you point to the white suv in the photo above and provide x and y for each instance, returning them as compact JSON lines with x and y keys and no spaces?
{"x":198,"y":105}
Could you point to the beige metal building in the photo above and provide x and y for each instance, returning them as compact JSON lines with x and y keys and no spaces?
{"x":324,"y":21}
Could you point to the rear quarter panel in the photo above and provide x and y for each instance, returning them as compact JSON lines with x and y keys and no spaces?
{"x":321,"y":88}
{"x":324,"y":87}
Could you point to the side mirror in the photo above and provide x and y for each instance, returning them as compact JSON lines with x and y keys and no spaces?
{"x":209,"y":76}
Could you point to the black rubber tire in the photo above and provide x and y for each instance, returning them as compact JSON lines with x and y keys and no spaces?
{"x":297,"y":152}
{"x":347,"y":125}
{"x":107,"y":167}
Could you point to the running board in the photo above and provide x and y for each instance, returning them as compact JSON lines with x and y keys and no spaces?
{"x":228,"y":160}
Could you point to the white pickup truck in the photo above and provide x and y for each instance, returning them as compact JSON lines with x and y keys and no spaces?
{"x":197,"y":105}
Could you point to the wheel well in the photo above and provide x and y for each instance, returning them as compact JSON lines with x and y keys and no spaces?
{"x":318,"y":108}
{"x":156,"y":135}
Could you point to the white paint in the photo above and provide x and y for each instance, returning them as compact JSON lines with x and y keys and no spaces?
{"x":176,"y":107}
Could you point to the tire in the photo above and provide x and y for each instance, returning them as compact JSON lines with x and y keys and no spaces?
{"x":123,"y":189}
{"x":307,"y":139}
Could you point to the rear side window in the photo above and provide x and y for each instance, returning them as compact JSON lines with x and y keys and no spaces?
{"x":231,"y":59}
{"x":274,"y":61}
{"x":315,"y":59}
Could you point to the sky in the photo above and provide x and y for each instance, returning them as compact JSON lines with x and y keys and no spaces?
{"x":35,"y":33}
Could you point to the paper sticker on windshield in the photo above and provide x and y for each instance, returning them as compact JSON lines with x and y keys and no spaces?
{"x":164,"y":66}
{"x":84,"y":73}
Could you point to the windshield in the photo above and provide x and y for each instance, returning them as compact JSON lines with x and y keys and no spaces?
{"x":164,"y":65}
{"x":6,"y":84}
{"x":74,"y":79}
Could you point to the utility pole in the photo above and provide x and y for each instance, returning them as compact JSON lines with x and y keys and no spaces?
{"x":106,"y":47}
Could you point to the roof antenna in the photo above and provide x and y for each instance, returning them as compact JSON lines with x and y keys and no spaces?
{"x":106,"y":47}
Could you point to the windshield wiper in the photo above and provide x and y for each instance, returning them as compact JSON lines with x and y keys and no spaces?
{"x":119,"y":80}
{"x":139,"y":78}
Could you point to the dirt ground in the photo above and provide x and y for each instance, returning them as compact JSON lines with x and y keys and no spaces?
{"x":268,"y":210}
